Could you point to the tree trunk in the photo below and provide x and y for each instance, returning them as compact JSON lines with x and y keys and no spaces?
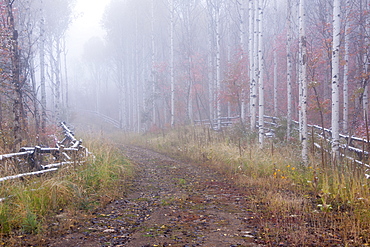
{"x":289,"y":69}
{"x":261,"y":99}
{"x":218,"y":66}
{"x":153,"y":77}
{"x":34,"y":95}
{"x":42,"y":70}
{"x":345,"y":72}
{"x":16,"y":81}
{"x":57,"y":84}
{"x":66,"y":82}
{"x":253,"y":86}
{"x":172,"y":64}
{"x":303,"y":80}
{"x":137,"y":77}
{"x":242,"y":34}
{"x":275,"y":61}
{"x":335,"y":80}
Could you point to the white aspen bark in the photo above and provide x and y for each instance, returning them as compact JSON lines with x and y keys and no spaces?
{"x":289,"y":70}
{"x":172,"y":64}
{"x":335,"y":80}
{"x":303,"y":80}
{"x":255,"y":68}
{"x":261,"y":107}
{"x":275,"y":61}
{"x":218,"y":66}
{"x":345,"y":74}
{"x":42,"y":69}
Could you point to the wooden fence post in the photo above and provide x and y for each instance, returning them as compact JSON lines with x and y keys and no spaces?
{"x":37,"y":158}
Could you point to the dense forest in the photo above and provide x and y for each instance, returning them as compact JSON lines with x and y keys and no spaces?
{"x":165,"y":63}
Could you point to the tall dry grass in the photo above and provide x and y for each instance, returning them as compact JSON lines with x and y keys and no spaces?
{"x":29,"y":205}
{"x":317,"y":203}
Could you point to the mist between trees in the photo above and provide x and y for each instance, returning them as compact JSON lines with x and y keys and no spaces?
{"x":165,"y":63}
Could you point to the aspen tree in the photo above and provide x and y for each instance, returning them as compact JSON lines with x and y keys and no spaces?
{"x":335,"y":80}
{"x":289,"y":69}
{"x":253,"y":87}
{"x":218,"y":64}
{"x":275,"y":58}
{"x":242,"y":38}
{"x":42,"y":67}
{"x":345,"y":71}
{"x":261,"y":98}
{"x":172,"y":64}
{"x":154,"y":115}
{"x":303,"y":80}
{"x":251,"y":64}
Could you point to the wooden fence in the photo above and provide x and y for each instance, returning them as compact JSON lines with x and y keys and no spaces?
{"x":38,"y":160}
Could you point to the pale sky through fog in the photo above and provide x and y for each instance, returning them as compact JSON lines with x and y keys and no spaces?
{"x":86,"y":25}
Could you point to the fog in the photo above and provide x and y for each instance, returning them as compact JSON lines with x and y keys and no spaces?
{"x":155,"y":64}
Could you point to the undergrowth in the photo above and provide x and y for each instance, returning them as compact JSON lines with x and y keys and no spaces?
{"x":31,"y":205}
{"x":317,"y":203}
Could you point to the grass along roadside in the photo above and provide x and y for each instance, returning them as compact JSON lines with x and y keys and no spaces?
{"x":316,"y":204}
{"x":51,"y":202}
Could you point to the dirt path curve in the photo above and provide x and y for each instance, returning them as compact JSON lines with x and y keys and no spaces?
{"x":171,"y":204}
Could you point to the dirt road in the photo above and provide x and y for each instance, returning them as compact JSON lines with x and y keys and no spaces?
{"x":171,"y":203}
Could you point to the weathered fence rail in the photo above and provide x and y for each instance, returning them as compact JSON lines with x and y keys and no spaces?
{"x":38,"y":160}
{"x":353,"y":148}
{"x":224,"y":121}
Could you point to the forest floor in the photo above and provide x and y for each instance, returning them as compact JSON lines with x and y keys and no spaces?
{"x":169,"y":203}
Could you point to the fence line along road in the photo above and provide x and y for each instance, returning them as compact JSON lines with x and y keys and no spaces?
{"x":30,"y":161}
